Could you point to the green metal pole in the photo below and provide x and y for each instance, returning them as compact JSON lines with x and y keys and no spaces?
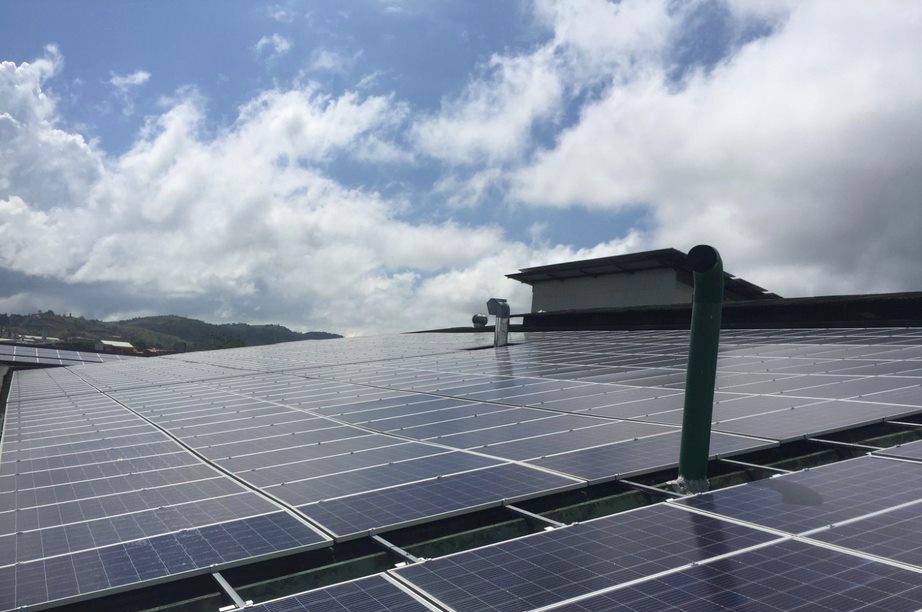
{"x":702,"y":368}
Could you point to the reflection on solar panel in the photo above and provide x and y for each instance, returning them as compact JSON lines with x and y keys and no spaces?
{"x":785,"y":576}
{"x":33,"y":355}
{"x":156,"y":460}
{"x":554,"y":566}
{"x":798,"y":503}
{"x":372,"y":594}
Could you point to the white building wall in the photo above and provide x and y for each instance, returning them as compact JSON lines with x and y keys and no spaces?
{"x":647,"y":288}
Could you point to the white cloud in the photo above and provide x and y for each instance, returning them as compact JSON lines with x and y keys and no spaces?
{"x":242,"y":224}
{"x":491,"y":120}
{"x":39,"y":162}
{"x":369,"y":80}
{"x":468,"y":191}
{"x":328,"y":60}
{"x":797,"y":155}
{"x":273,"y":46}
{"x":124,"y":85}
{"x":280,"y":13}
{"x":124,"y":82}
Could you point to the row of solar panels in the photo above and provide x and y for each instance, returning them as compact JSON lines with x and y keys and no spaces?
{"x":841,"y":537}
{"x":150,"y":460}
{"x":33,"y":355}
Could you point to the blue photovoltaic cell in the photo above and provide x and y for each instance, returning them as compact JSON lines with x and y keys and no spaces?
{"x":788,"y":576}
{"x":572,"y":440}
{"x":813,"y":419}
{"x":911,"y":450}
{"x":184,"y":551}
{"x":639,"y":456}
{"x":371,"y":594}
{"x":391,"y":508}
{"x":95,"y":498}
{"x":895,"y":534}
{"x":807,"y":500}
{"x":553,"y":566}
{"x":372,"y":478}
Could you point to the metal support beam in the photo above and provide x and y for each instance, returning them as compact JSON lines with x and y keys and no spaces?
{"x":393,"y":548}
{"x":903,"y":423}
{"x":755,"y":465}
{"x":846,"y":444}
{"x":537,"y":517}
{"x":701,"y":372}
{"x":649,"y":489}
{"x":229,"y":590}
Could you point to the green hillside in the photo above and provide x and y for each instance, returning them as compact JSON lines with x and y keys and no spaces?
{"x":168,"y":332}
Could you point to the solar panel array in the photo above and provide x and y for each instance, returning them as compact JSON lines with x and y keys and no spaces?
{"x":341,"y":438}
{"x":664,"y":557}
{"x":787,"y":576}
{"x":555,"y":566}
{"x":12,"y":354}
{"x":95,"y":499}
{"x":742,"y":548}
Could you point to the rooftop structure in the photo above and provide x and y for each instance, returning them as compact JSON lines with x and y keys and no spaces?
{"x":636,"y":279}
{"x":114,"y":346}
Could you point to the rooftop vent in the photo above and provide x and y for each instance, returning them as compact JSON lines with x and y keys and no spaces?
{"x":500,"y":309}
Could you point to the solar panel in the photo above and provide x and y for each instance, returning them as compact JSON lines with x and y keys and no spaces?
{"x":728,"y":407}
{"x":99,"y":568}
{"x":535,"y":447}
{"x":906,"y":396}
{"x":439,"y":497}
{"x":895,"y":534}
{"x":800,"y":502}
{"x":305,"y":490}
{"x":910,"y":450}
{"x":785,"y":576}
{"x":640,"y":456}
{"x":813,"y":419}
{"x":371,"y":594}
{"x":554,"y":566}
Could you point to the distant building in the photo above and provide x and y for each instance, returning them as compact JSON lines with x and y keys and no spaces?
{"x":650,"y":278}
{"x":114,"y":346}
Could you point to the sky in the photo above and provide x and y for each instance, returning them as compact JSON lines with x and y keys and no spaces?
{"x":380,"y":165}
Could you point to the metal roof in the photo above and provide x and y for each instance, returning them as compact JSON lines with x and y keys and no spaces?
{"x":736,"y":288}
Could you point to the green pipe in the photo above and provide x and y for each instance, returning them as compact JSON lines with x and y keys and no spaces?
{"x":702,"y":368}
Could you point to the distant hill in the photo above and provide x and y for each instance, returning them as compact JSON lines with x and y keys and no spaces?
{"x":168,"y":332}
